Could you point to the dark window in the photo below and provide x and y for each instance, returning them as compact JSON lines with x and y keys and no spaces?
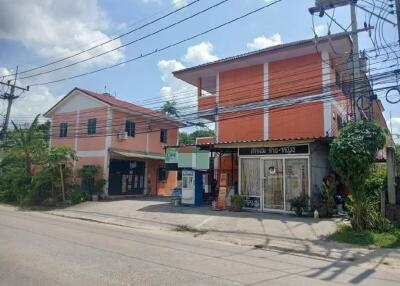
{"x":91,"y":126}
{"x":130,"y":128}
{"x":163,"y":135}
{"x":63,"y":129}
{"x":162,"y":174}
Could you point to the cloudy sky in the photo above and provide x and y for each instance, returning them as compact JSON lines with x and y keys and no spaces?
{"x":35,"y":32}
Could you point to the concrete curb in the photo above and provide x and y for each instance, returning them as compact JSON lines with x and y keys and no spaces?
{"x":321,"y":249}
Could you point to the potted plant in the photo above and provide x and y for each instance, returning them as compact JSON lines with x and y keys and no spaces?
{"x":237,"y":203}
{"x":97,"y":189}
{"x":299,"y":204}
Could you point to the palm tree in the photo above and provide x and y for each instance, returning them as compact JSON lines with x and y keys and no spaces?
{"x":28,"y":143}
{"x":169,"y":107}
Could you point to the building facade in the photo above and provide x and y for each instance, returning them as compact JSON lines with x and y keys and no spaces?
{"x":275,"y":112}
{"x":124,"y":140}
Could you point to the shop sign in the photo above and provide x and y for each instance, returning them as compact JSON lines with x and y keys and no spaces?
{"x":279,"y":150}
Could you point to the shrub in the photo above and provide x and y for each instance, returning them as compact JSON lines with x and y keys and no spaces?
{"x":299,"y":204}
{"x":77,"y":195}
{"x":352,"y":154}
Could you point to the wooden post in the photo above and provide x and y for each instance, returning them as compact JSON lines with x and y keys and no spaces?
{"x":62,"y":182}
{"x":391,"y":175}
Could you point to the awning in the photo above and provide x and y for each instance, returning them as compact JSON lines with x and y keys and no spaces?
{"x":140,"y":155}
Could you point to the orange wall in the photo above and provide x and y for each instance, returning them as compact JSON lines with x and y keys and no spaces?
{"x":241,"y":86}
{"x":305,"y":120}
{"x":96,"y":141}
{"x":206,"y":102}
{"x":139,"y":142}
{"x":237,"y":87}
{"x":156,"y":187}
{"x":70,"y":118}
{"x":244,"y":125}
{"x":295,"y":76}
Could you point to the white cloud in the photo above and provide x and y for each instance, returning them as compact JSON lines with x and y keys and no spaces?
{"x":263,"y":42}
{"x":321,"y":30}
{"x":58,"y":28}
{"x":179,"y":3}
{"x":200,"y":53}
{"x":173,"y":87}
{"x":35,"y":101}
{"x":175,"y":3}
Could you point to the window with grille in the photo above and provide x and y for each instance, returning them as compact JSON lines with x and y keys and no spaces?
{"x":63,"y":129}
{"x":163,"y":135}
{"x":91,"y":126}
{"x":130,"y":128}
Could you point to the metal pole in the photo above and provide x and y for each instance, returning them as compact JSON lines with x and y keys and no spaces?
{"x":356,"y":58}
{"x":398,"y":18}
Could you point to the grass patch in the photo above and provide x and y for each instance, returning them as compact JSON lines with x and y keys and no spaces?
{"x":186,"y":228}
{"x":346,"y":234}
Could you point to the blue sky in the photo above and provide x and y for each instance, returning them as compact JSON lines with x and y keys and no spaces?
{"x":35,"y":32}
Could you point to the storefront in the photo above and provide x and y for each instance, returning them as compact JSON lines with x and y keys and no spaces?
{"x":270,"y":176}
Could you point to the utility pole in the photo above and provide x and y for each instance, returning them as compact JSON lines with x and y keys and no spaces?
{"x":398,"y":18}
{"x":10,"y":97}
{"x":356,"y":58}
{"x":320,"y":7}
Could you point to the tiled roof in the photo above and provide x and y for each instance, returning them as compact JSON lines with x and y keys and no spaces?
{"x":266,"y":50}
{"x":258,"y":141}
{"x":114,"y":102}
{"x":108,"y":99}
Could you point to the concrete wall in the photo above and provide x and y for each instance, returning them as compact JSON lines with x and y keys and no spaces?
{"x":319,"y":165}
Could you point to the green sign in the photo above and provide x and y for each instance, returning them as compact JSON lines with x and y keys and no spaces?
{"x":171,"y":156}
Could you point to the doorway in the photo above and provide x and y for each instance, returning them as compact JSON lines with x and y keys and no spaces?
{"x":268,"y":184}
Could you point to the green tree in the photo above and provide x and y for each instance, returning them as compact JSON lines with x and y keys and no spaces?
{"x":190,"y":138}
{"x":27,"y":144}
{"x":352,"y":154}
{"x":59,"y":162}
{"x":169,"y":107}
{"x":22,"y":150}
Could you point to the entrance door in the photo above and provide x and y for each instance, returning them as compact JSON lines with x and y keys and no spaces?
{"x":274,"y":197}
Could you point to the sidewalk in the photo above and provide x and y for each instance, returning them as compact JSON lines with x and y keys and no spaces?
{"x":262,"y":230}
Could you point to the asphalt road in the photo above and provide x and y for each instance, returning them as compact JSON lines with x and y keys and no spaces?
{"x":39,"y":249}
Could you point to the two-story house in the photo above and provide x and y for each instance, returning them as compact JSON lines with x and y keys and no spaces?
{"x":275,"y":112}
{"x":125,"y":140}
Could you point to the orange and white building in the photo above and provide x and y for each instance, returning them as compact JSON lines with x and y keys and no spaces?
{"x":275,"y":112}
{"x":125,"y":140}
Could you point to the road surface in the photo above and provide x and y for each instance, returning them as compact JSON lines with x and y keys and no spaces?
{"x":40,"y":249}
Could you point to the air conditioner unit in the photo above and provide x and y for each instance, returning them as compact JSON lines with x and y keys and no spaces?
{"x":123,"y":135}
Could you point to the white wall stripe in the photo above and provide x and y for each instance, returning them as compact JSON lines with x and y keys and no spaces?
{"x":326,"y":80}
{"x":106,"y":153}
{"x":266,"y":97}
{"x":217,"y":105}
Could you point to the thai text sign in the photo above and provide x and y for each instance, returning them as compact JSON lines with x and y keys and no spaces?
{"x":279,"y":150}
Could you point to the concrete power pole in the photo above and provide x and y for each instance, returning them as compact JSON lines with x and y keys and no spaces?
{"x":398,"y":18}
{"x":320,"y":7}
{"x":10,"y":98}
